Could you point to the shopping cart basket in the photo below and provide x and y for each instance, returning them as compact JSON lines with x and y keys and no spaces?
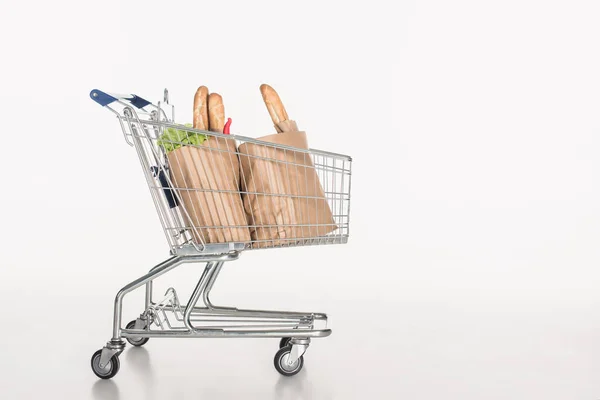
{"x":190,"y":239}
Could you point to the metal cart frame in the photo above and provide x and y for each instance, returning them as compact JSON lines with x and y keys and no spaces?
{"x":138,"y":119}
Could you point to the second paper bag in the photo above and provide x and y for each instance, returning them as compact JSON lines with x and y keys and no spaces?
{"x":282,"y":194}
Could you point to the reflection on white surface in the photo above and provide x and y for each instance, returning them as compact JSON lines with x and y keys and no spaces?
{"x":296,"y":387}
{"x":105,"y":390}
{"x":138,"y":359}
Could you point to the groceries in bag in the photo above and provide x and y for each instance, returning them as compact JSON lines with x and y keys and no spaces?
{"x":206,"y":175}
{"x":283,"y":197}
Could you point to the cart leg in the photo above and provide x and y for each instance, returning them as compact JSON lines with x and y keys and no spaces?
{"x":209,"y":286}
{"x":209,"y":271}
{"x":211,"y":309}
{"x":307,"y":317}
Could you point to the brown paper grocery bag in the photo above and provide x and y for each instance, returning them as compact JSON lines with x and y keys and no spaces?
{"x":208,"y":177}
{"x":283,"y":198}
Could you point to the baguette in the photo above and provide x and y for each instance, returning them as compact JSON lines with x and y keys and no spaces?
{"x":216,"y":113}
{"x":201,"y":108}
{"x":274,"y":105}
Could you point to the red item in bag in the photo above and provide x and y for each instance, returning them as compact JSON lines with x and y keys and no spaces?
{"x":226,"y":127}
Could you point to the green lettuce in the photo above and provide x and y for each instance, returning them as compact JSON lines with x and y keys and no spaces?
{"x":173,"y":138}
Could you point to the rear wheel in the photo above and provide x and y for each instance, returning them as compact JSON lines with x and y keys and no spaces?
{"x":136,"y":341}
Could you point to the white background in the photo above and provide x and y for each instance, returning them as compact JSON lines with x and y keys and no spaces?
{"x":473,"y":266}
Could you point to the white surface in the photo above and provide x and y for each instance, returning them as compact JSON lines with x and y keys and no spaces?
{"x":472,"y":271}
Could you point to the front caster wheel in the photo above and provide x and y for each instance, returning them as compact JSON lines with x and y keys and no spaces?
{"x":109,"y":370}
{"x":284,"y":342}
{"x":282,"y":364}
{"x":136,"y":341}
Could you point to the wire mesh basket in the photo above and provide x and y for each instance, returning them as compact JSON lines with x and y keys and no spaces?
{"x":216,"y":192}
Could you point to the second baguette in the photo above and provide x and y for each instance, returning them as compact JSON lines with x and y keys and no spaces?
{"x":274,"y":105}
{"x":216,"y":113}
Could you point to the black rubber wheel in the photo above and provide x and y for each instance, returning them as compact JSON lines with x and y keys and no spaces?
{"x":284,"y":342}
{"x":109,"y":369}
{"x":281,"y":365}
{"x":136,"y":341}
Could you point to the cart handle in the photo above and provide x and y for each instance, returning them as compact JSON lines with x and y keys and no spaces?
{"x":105,"y":99}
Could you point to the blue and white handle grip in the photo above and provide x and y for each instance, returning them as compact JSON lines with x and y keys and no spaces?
{"x":105,"y":99}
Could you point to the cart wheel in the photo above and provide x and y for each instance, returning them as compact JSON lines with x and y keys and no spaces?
{"x":109,"y":369}
{"x":136,"y":341}
{"x":281,"y":364}
{"x":284,"y":342}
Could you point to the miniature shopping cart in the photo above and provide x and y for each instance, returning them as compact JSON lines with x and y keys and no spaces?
{"x":302,"y":199}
